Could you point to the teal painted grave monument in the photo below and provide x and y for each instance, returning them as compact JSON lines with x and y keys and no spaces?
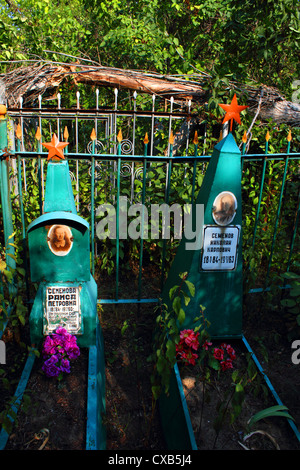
{"x":215,"y":265}
{"x":59,"y":253}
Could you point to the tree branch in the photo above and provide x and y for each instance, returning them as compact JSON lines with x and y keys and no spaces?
{"x":31,"y":81}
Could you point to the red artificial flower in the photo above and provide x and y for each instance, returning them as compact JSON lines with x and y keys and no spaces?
{"x":189,"y":357}
{"x":190,"y":338}
{"x":227,"y":364}
{"x":225,"y":361}
{"x":179,"y":346}
{"x":231,"y":352}
{"x":218,"y":354}
{"x":187,"y":343}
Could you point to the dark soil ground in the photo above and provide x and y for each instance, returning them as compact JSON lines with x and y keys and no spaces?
{"x":56,"y":416}
{"x":132,"y":420}
{"x":210,"y":434}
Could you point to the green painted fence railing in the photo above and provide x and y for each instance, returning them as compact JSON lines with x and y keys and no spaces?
{"x":192,"y":162}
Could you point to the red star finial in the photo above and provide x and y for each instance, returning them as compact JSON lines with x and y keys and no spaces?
{"x":55,"y":148}
{"x":232,"y":111}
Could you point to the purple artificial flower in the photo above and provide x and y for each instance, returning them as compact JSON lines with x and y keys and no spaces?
{"x":59,"y":337}
{"x":72,"y":350}
{"x":51,"y":367}
{"x":58,"y":349}
{"x":61,"y":332}
{"x":65,"y":366}
{"x":49,"y":346}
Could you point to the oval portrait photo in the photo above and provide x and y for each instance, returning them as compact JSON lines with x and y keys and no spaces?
{"x":60,"y":239}
{"x":224,"y":208}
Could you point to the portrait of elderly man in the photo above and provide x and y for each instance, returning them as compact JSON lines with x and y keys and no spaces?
{"x":224,"y":208}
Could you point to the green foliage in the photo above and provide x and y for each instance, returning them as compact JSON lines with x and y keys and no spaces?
{"x":28,"y":28}
{"x":291,"y":302}
{"x":13,"y":314}
{"x":277,"y":411}
{"x":274,"y":224}
{"x":178,"y":37}
{"x":245,"y":381}
{"x":9,"y":414}
{"x":166,"y":335}
{"x":12,"y":289}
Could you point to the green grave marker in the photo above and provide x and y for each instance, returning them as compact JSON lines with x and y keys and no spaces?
{"x":59,"y":252}
{"x":215,"y":265}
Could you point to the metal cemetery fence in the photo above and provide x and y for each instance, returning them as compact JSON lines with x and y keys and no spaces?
{"x":139,"y":165}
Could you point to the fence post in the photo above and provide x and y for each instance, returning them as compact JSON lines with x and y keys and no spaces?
{"x":5,"y":191}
